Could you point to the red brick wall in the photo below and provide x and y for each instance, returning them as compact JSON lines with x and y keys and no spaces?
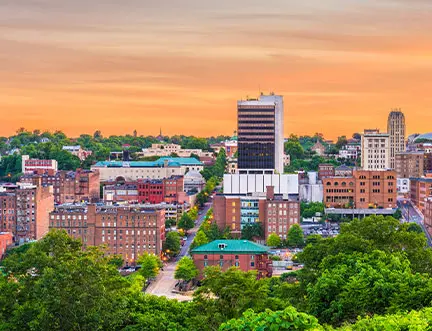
{"x":5,"y":240}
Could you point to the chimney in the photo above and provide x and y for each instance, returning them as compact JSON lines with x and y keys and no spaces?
{"x":270,"y":192}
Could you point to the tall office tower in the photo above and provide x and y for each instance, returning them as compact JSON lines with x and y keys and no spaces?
{"x":375,"y":150}
{"x":260,"y":134}
{"x":396,"y":130}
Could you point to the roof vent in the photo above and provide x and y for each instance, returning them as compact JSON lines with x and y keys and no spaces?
{"x":222,"y":246}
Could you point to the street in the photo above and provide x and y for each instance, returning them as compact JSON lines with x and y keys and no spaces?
{"x":165,"y":281}
{"x":412,"y":214}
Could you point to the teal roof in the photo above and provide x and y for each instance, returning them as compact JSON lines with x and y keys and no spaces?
{"x":172,"y":161}
{"x":231,"y":246}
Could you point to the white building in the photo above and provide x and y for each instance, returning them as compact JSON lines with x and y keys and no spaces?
{"x":193,"y":181}
{"x":29,"y":165}
{"x":257,"y":183}
{"x":403,"y":185}
{"x":168,"y":149}
{"x":375,"y":150}
{"x":312,"y":191}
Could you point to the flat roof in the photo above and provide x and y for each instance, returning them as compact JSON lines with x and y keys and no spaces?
{"x":359,"y":211}
{"x":172,"y":161}
{"x":231,"y":246}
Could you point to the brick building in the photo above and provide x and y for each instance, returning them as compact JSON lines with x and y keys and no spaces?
{"x":409,"y":164}
{"x":25,"y":210}
{"x":128,"y":230}
{"x":153,"y":191}
{"x":69,"y":186}
{"x":427,"y":163}
{"x":420,"y":190}
{"x":244,"y":254}
{"x":6,"y":239}
{"x":275,"y":212}
{"x":326,"y":170}
{"x":38,"y":166}
{"x":365,"y":189}
{"x":428,"y":215}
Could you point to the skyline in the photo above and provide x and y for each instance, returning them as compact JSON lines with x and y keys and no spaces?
{"x":341,"y":66}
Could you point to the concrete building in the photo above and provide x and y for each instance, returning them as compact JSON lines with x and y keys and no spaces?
{"x":68,"y":186}
{"x":364,"y":189}
{"x":258,"y":183}
{"x":25,"y":210}
{"x":403,"y":186}
{"x":168,"y":149}
{"x":396,"y":130}
{"x":409,"y":164}
{"x":243,"y":254}
{"x":164,"y":167}
{"x":310,"y":188}
{"x":194,"y":182}
{"x":420,"y":190}
{"x":231,"y":166}
{"x":260,"y":133}
{"x":275,"y":212}
{"x":375,"y":150}
{"x":76,"y":150}
{"x":6,"y":239}
{"x":350,"y":151}
{"x":38,"y":166}
{"x":128,"y":230}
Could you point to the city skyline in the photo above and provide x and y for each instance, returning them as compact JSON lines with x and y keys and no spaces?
{"x":341,"y":66}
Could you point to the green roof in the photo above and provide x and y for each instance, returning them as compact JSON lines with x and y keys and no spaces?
{"x":172,"y":161}
{"x":231,"y":246}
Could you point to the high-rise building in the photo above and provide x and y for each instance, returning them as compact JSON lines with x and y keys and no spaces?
{"x":375,"y":150}
{"x":260,"y":133}
{"x":396,"y":130}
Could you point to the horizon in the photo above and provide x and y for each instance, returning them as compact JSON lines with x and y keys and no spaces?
{"x":341,"y":66}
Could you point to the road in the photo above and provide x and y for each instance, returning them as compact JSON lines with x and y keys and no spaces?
{"x":412,"y":214}
{"x":165,"y":281}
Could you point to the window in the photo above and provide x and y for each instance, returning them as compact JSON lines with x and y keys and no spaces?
{"x":252,"y":264}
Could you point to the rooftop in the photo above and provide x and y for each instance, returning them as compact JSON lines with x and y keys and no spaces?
{"x":425,"y":136}
{"x":231,"y":246}
{"x":172,"y":162}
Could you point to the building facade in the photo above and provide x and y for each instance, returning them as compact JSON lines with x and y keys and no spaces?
{"x":126,"y":230}
{"x":69,"y":186}
{"x":420,"y":190}
{"x":375,"y":150}
{"x":409,"y":164}
{"x":325,"y":170}
{"x":76,"y":150}
{"x":25,"y":210}
{"x":243,"y":254}
{"x":164,"y":167}
{"x":258,"y":183}
{"x":396,"y":129}
{"x":428,"y":215}
{"x":38,"y":166}
{"x":260,"y":133}
{"x":364,"y":189}
{"x":168,"y":149}
{"x":6,"y":239}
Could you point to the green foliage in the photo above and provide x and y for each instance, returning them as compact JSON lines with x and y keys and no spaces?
{"x":274,"y":240}
{"x":200,"y":239}
{"x":150,"y":265}
{"x":186,"y":269}
{"x":294,"y":150}
{"x":253,"y":230}
{"x":295,"y":236}
{"x":397,"y":214}
{"x":218,"y":169}
{"x":172,"y":243}
{"x":309,"y":164}
{"x":116,"y":260}
{"x":10,"y":167}
{"x":57,"y":286}
{"x":186,"y":222}
{"x":309,"y":209}
{"x":283,"y":320}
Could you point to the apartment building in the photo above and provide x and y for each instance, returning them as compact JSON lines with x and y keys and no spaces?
{"x":420,"y":190}
{"x":128,"y":230}
{"x":275,"y":212}
{"x":409,"y":164}
{"x":168,"y":149}
{"x":375,"y":150}
{"x":38,"y":166}
{"x":428,"y":215}
{"x":325,"y":170}
{"x":6,"y":239}
{"x":69,"y":186}
{"x":24,"y":210}
{"x":364,"y":189}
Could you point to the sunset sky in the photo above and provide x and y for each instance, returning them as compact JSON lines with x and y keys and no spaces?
{"x":120,"y":65}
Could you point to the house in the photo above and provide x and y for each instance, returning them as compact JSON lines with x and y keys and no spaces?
{"x":318,"y":148}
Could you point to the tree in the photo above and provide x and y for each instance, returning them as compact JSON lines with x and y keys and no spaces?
{"x":186,"y":269}
{"x":58,"y":286}
{"x":274,"y":240}
{"x":295,"y":236}
{"x":186,"y":222}
{"x":284,"y":320}
{"x":294,"y":150}
{"x":341,"y":141}
{"x":150,"y":265}
{"x":253,"y":230}
{"x":200,"y":239}
{"x":172,"y":243}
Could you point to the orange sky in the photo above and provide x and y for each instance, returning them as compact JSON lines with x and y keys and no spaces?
{"x":80,"y":65}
